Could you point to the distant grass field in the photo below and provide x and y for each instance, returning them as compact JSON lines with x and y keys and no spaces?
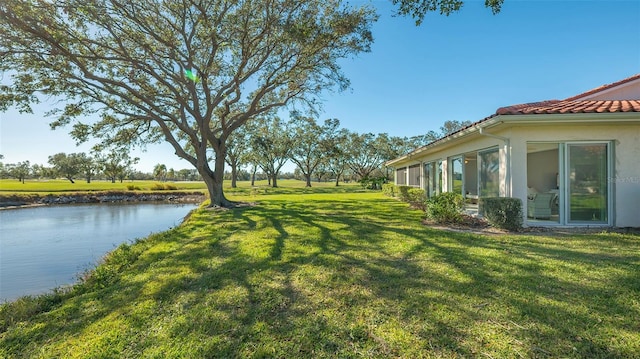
{"x":58,"y":186}
{"x":11,"y":186}
{"x":347,"y":273}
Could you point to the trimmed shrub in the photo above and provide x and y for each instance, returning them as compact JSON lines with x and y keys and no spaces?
{"x":389,"y":189}
{"x":502,"y":212}
{"x":163,"y":187}
{"x":417,"y":198}
{"x":446,"y":207}
{"x":412,"y":195}
{"x":403,"y":193}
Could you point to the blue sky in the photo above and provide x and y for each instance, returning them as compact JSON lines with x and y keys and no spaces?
{"x":461,"y":67}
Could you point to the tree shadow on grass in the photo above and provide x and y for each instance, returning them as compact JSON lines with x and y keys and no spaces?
{"x":560,"y":296}
{"x":347,"y":278}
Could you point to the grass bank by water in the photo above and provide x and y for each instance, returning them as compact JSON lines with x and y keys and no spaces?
{"x":346,"y":273}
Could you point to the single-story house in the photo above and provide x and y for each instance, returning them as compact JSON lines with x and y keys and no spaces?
{"x":572,"y":162}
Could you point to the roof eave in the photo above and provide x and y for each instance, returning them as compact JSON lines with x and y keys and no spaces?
{"x":588,"y":117}
{"x":490,"y":122}
{"x":559,"y":118}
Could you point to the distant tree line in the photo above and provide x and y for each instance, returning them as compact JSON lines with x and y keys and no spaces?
{"x":320,"y":151}
{"x":116,"y":165}
{"x":259,"y":151}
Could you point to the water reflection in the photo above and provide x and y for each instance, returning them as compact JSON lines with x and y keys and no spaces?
{"x":45,"y":247}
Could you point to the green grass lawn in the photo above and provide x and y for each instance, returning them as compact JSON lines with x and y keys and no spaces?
{"x":346,"y":274}
{"x":10,"y":186}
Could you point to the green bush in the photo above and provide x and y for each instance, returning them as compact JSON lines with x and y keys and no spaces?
{"x":373,"y":182}
{"x":163,"y":187}
{"x":417,"y":198}
{"x":389,"y":189}
{"x":157,"y":187}
{"x":131,"y":187}
{"x":446,"y":207}
{"x":502,"y":212}
{"x":403,"y":193}
{"x":412,"y":195}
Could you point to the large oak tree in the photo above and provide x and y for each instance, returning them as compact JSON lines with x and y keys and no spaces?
{"x":67,"y":166}
{"x":312,"y":143}
{"x":238,"y":152}
{"x":271,"y":144}
{"x":189,"y":72}
{"x":418,"y":9}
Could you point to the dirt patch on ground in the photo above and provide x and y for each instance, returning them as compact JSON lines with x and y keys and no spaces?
{"x":476,"y":225}
{"x":231,"y":206}
{"x":469,"y":224}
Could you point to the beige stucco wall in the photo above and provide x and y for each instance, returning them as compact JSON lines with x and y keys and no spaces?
{"x":626,"y":158}
{"x":626,"y":161}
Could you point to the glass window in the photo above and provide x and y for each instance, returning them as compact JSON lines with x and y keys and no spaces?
{"x":414,"y":175}
{"x":401,"y":176}
{"x":430,"y":179}
{"x":455,"y":175}
{"x":489,"y":169}
{"x":438,"y":177}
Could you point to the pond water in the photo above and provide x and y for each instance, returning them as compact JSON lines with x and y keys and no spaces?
{"x":45,"y":247}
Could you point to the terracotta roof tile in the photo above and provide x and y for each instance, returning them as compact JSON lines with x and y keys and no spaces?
{"x":561,"y":107}
{"x":568,"y":106}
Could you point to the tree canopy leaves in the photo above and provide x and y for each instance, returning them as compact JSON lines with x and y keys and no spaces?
{"x":186,"y":72}
{"x":418,"y":9}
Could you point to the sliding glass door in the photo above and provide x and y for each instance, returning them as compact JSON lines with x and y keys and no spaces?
{"x":545,"y":163}
{"x":587,"y":182}
{"x":488,"y":173}
{"x":568,"y":182}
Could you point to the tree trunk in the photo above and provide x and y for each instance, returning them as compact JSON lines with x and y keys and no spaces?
{"x":215,"y":191}
{"x":308,"y":177}
{"x":234,"y":176}
{"x":275,"y":181}
{"x":70,"y":179}
{"x":214,"y":182}
{"x":253,"y":175}
{"x":337,"y":180}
